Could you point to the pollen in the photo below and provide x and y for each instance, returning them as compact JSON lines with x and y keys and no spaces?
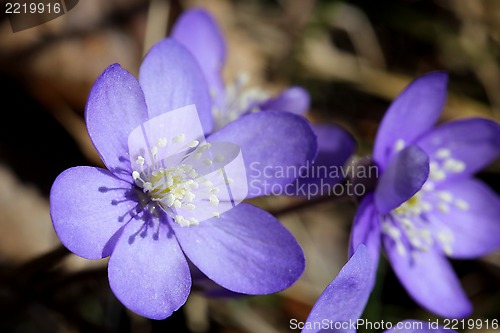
{"x":214,"y":201}
{"x":140,"y":160}
{"x":162,"y":142}
{"x":179,"y":138}
{"x":237,"y":100}
{"x":443,"y":153}
{"x":193,"y":144}
{"x":176,"y":189}
{"x":461,"y":204}
{"x":411,"y":219}
{"x":399,"y":145}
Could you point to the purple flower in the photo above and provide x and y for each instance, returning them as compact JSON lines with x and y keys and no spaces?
{"x":198,"y":31}
{"x":169,"y":195}
{"x":426,"y":205}
{"x":342,"y":303}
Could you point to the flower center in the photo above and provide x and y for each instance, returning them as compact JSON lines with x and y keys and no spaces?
{"x":412,"y":225}
{"x":179,"y":187}
{"x":236,"y":101}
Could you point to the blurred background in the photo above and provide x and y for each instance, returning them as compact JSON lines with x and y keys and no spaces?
{"x":353,"y":56}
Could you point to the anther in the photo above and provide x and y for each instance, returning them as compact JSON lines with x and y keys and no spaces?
{"x":214,"y":201}
{"x":461,"y":204}
{"x":443,"y":153}
{"x":162,"y":142}
{"x":140,"y":160}
{"x":193,"y":144}
{"x":179,"y":138}
{"x":399,"y":145}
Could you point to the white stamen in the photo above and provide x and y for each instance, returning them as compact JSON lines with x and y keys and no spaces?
{"x":193,"y":143}
{"x":179,"y":219}
{"x":443,"y":208}
{"x":214,"y":201}
{"x":193,"y":173}
{"x":140,"y":160}
{"x":154,"y":150}
{"x":399,"y":145}
{"x":189,"y":196}
{"x":169,"y":198}
{"x":443,"y":153}
{"x":445,"y":196}
{"x":411,"y":218}
{"x":446,"y":239}
{"x":237,"y":101}
{"x":462,"y":204}
{"x":453,"y":165}
{"x":207,"y":183}
{"x":433,"y":166}
{"x":162,"y":142}
{"x":426,"y":207}
{"x":437,"y":175}
{"x":179,"y":138}
{"x":428,"y":186}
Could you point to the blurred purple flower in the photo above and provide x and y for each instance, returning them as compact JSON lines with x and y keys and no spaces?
{"x":198,"y":31}
{"x":342,"y":303}
{"x":426,"y":205}
{"x":168,"y":193}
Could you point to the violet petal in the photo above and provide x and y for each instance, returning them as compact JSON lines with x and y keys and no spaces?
{"x":275,"y":145}
{"x":366,"y":230}
{"x":335,"y":147}
{"x":472,"y":219}
{"x":345,"y":298}
{"x":171,"y":78}
{"x":294,"y":99}
{"x":197,"y":30}
{"x":430,"y":280}
{"x":114,"y":108}
{"x":88,"y":206}
{"x":147,"y":270}
{"x":246,"y":250}
{"x":404,"y":176}
{"x":410,"y":115}
{"x":462,"y":147}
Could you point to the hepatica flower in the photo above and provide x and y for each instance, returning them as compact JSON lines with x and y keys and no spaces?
{"x":427,"y":206}
{"x":340,"y":306}
{"x":169,"y":194}
{"x":198,"y":31}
